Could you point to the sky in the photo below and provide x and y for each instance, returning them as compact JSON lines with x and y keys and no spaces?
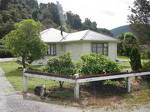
{"x":107,"y":13}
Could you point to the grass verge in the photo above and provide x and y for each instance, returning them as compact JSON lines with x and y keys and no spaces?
{"x":14,"y":76}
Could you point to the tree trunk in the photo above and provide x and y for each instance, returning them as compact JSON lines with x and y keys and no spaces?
{"x":61,"y":84}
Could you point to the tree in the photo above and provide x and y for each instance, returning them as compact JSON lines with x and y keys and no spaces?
{"x":88,"y":24}
{"x":24,"y":41}
{"x":74,"y":20}
{"x":140,"y":20}
{"x":130,"y":48}
{"x":13,"y":11}
{"x":105,"y":31}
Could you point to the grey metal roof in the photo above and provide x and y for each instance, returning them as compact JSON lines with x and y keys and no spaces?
{"x":53,"y":35}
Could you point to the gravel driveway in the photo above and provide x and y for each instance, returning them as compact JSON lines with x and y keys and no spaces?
{"x":12,"y":102}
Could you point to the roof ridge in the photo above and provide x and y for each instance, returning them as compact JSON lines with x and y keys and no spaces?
{"x":85,"y":34}
{"x":102,"y":34}
{"x":63,"y":37}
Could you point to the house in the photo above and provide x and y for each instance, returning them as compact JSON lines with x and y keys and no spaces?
{"x":79,"y":43}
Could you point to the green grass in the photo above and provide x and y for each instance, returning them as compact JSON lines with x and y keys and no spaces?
{"x":14,"y":75}
{"x":123,"y":57}
{"x":125,"y":64}
{"x":138,"y":97}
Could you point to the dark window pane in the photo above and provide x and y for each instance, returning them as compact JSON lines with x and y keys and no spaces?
{"x":100,"y":48}
{"x":52,"y":49}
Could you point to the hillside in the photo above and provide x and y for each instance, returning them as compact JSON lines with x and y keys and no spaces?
{"x":50,"y":15}
{"x":122,"y":29}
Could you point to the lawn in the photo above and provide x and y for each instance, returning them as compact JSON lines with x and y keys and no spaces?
{"x":14,"y":75}
{"x":125,"y":64}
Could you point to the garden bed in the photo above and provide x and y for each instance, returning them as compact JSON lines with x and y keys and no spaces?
{"x":80,"y":76}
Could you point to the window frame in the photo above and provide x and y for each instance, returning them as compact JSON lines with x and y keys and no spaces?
{"x":52,"y":49}
{"x":100,"y":48}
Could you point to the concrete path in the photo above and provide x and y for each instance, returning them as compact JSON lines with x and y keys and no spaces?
{"x":12,"y":102}
{"x":7,"y":59}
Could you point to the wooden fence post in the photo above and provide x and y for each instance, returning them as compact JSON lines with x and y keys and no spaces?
{"x":76,"y":87}
{"x":128,"y":84}
{"x":77,"y":91}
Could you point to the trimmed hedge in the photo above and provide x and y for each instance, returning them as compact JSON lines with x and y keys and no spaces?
{"x":4,"y":53}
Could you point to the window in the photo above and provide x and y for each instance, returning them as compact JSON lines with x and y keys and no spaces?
{"x":52,"y":50}
{"x":100,"y":48}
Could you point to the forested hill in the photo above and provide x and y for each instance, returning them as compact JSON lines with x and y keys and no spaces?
{"x":12,"y":11}
{"x":122,"y":29}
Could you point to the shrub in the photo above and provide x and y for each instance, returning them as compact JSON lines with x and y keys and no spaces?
{"x":62,"y":65}
{"x":96,"y":64}
{"x":146,"y":66}
{"x":130,"y":47}
{"x":5,"y":53}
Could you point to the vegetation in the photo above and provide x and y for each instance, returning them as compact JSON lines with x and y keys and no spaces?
{"x":14,"y":75}
{"x":4,"y":53}
{"x":74,"y":20}
{"x":140,"y":20}
{"x":62,"y":65}
{"x":96,"y":64}
{"x":25,"y":41}
{"x":146,"y":65}
{"x":50,"y":15}
{"x":129,"y":46}
{"x":12,"y":11}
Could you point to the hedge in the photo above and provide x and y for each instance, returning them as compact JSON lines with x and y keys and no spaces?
{"x":5,"y":53}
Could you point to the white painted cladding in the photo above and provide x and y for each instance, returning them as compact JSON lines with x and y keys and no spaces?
{"x":77,"y":49}
{"x":112,"y":51}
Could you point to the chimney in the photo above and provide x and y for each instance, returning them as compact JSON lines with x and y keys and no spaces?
{"x":61,"y":30}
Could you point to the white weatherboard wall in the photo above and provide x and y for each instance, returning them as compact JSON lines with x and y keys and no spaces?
{"x":112,"y":51}
{"x":75,"y":49}
{"x":60,"y":49}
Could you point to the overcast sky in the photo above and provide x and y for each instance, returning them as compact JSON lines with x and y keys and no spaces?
{"x":107,"y":13}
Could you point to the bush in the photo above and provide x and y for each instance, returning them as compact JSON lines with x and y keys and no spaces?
{"x":96,"y":64}
{"x":62,"y":65}
{"x":4,"y":53}
{"x":146,"y":66}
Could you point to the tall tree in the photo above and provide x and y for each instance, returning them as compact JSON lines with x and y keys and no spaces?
{"x":130,"y":47}
{"x":88,"y":24}
{"x":104,"y":31}
{"x":25,"y":41}
{"x":140,"y":20}
{"x":12,"y":11}
{"x":74,"y":20}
